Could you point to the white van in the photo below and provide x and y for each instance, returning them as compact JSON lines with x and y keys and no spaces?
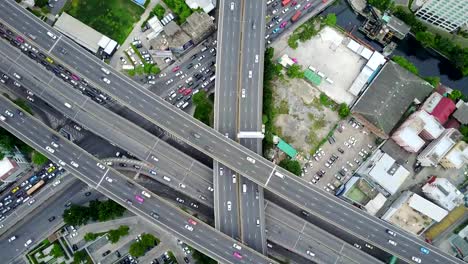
{"x":279,"y":175}
{"x":244,"y":188}
{"x":68,"y":105}
{"x":166,"y":178}
{"x":104,"y":70}
{"x":50,"y":34}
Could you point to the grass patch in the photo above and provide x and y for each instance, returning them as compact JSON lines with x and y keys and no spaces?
{"x":180,"y":8}
{"x":319,"y":123}
{"x":203,"y":108}
{"x":113,"y":18}
{"x":283,"y":108}
{"x":446,"y":223}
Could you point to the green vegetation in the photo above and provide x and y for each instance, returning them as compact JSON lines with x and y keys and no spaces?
{"x":382,"y":5}
{"x":327,"y":101}
{"x":23,"y":105}
{"x":292,"y":166}
{"x":295,"y":71}
{"x":180,"y":8}
{"x":455,"y":53}
{"x":403,"y":62}
{"x":455,"y":95}
{"x":270,"y":71}
{"x":147,"y":2}
{"x":330,"y":20}
{"x":201,"y":258}
{"x":115,"y":234}
{"x":159,"y":11}
{"x":41,"y":3}
{"x":9,"y":141}
{"x":81,"y":257}
{"x":146,"y":243}
{"x":38,"y":159}
{"x":57,"y":251}
{"x":343,"y":110}
{"x":464,"y":132}
{"x":433,"y":80}
{"x":203,"y":108}
{"x":113,"y":18}
{"x":283,"y":108}
{"x":96,"y":211}
{"x":310,"y":28}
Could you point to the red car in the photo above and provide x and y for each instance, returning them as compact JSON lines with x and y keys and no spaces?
{"x":192,"y":222}
{"x":20,"y":39}
{"x":294,"y":3}
{"x":176,"y":68}
{"x":181,"y":90}
{"x":187,"y":92}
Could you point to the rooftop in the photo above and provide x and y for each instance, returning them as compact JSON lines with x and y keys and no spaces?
{"x":385,"y":171}
{"x":461,"y":114}
{"x":443,"y":192}
{"x":197,"y":25}
{"x":206,"y":5}
{"x":443,"y":110}
{"x":393,"y":90}
{"x":426,"y":207}
{"x":78,"y":32}
{"x":286,"y":148}
{"x":6,"y":166}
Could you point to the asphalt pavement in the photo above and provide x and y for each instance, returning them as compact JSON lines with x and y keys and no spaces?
{"x":217,"y":146}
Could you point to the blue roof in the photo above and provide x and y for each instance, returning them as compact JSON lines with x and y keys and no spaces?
{"x":140,"y":2}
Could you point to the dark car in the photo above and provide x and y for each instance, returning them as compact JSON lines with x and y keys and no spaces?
{"x":122,"y":165}
{"x":106,"y":253}
{"x":186,"y":260}
{"x":340,"y":150}
{"x":75,"y":247}
{"x":87,"y":193}
{"x":51,"y":218}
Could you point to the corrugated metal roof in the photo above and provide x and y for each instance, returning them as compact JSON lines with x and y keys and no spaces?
{"x":426,"y":207}
{"x":286,"y":148}
{"x":313,"y":77}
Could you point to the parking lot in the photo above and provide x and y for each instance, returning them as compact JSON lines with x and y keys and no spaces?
{"x":335,"y":162}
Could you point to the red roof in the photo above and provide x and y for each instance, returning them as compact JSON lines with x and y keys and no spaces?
{"x":443,"y":110}
{"x":452,"y":123}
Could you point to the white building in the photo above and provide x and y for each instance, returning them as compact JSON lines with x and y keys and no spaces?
{"x":457,"y":157}
{"x":446,"y":14}
{"x":206,"y":5}
{"x":413,"y":213}
{"x":418,"y":126}
{"x":437,"y":149}
{"x":442,"y":192}
{"x":384,"y":171}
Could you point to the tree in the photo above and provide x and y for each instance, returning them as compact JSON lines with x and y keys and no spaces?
{"x":403,"y":62}
{"x":115,"y":234}
{"x":292,"y":41}
{"x":38,"y":158}
{"x":292,"y":166}
{"x":426,"y":38}
{"x":159,"y":11}
{"x":295,"y":71}
{"x":382,"y":5}
{"x":2,"y":155}
{"x":41,"y":3}
{"x":203,"y":108}
{"x":202,"y":258}
{"x":330,"y":20}
{"x":464,"y":132}
{"x":109,"y":210}
{"x":343,"y":111}
{"x":433,"y":80}
{"x":80,"y":257}
{"x":76,"y":215}
{"x":455,"y":95}
{"x":90,"y":236}
{"x":57,"y":250}
{"x":23,"y":105}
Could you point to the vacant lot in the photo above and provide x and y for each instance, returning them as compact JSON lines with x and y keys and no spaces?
{"x":113,"y":18}
{"x":301,"y":119}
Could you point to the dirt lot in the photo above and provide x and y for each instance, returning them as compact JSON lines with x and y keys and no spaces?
{"x":302,"y":121}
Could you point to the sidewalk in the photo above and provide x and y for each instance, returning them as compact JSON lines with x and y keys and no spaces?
{"x":115,"y":61}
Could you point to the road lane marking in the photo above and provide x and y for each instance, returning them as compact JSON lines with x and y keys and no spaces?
{"x":269,"y":177}
{"x":103,"y":176}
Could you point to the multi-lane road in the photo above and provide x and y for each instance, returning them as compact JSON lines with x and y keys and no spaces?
{"x":195,"y":182}
{"x":226,"y":181}
{"x":216,"y":145}
{"x":117,"y":187}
